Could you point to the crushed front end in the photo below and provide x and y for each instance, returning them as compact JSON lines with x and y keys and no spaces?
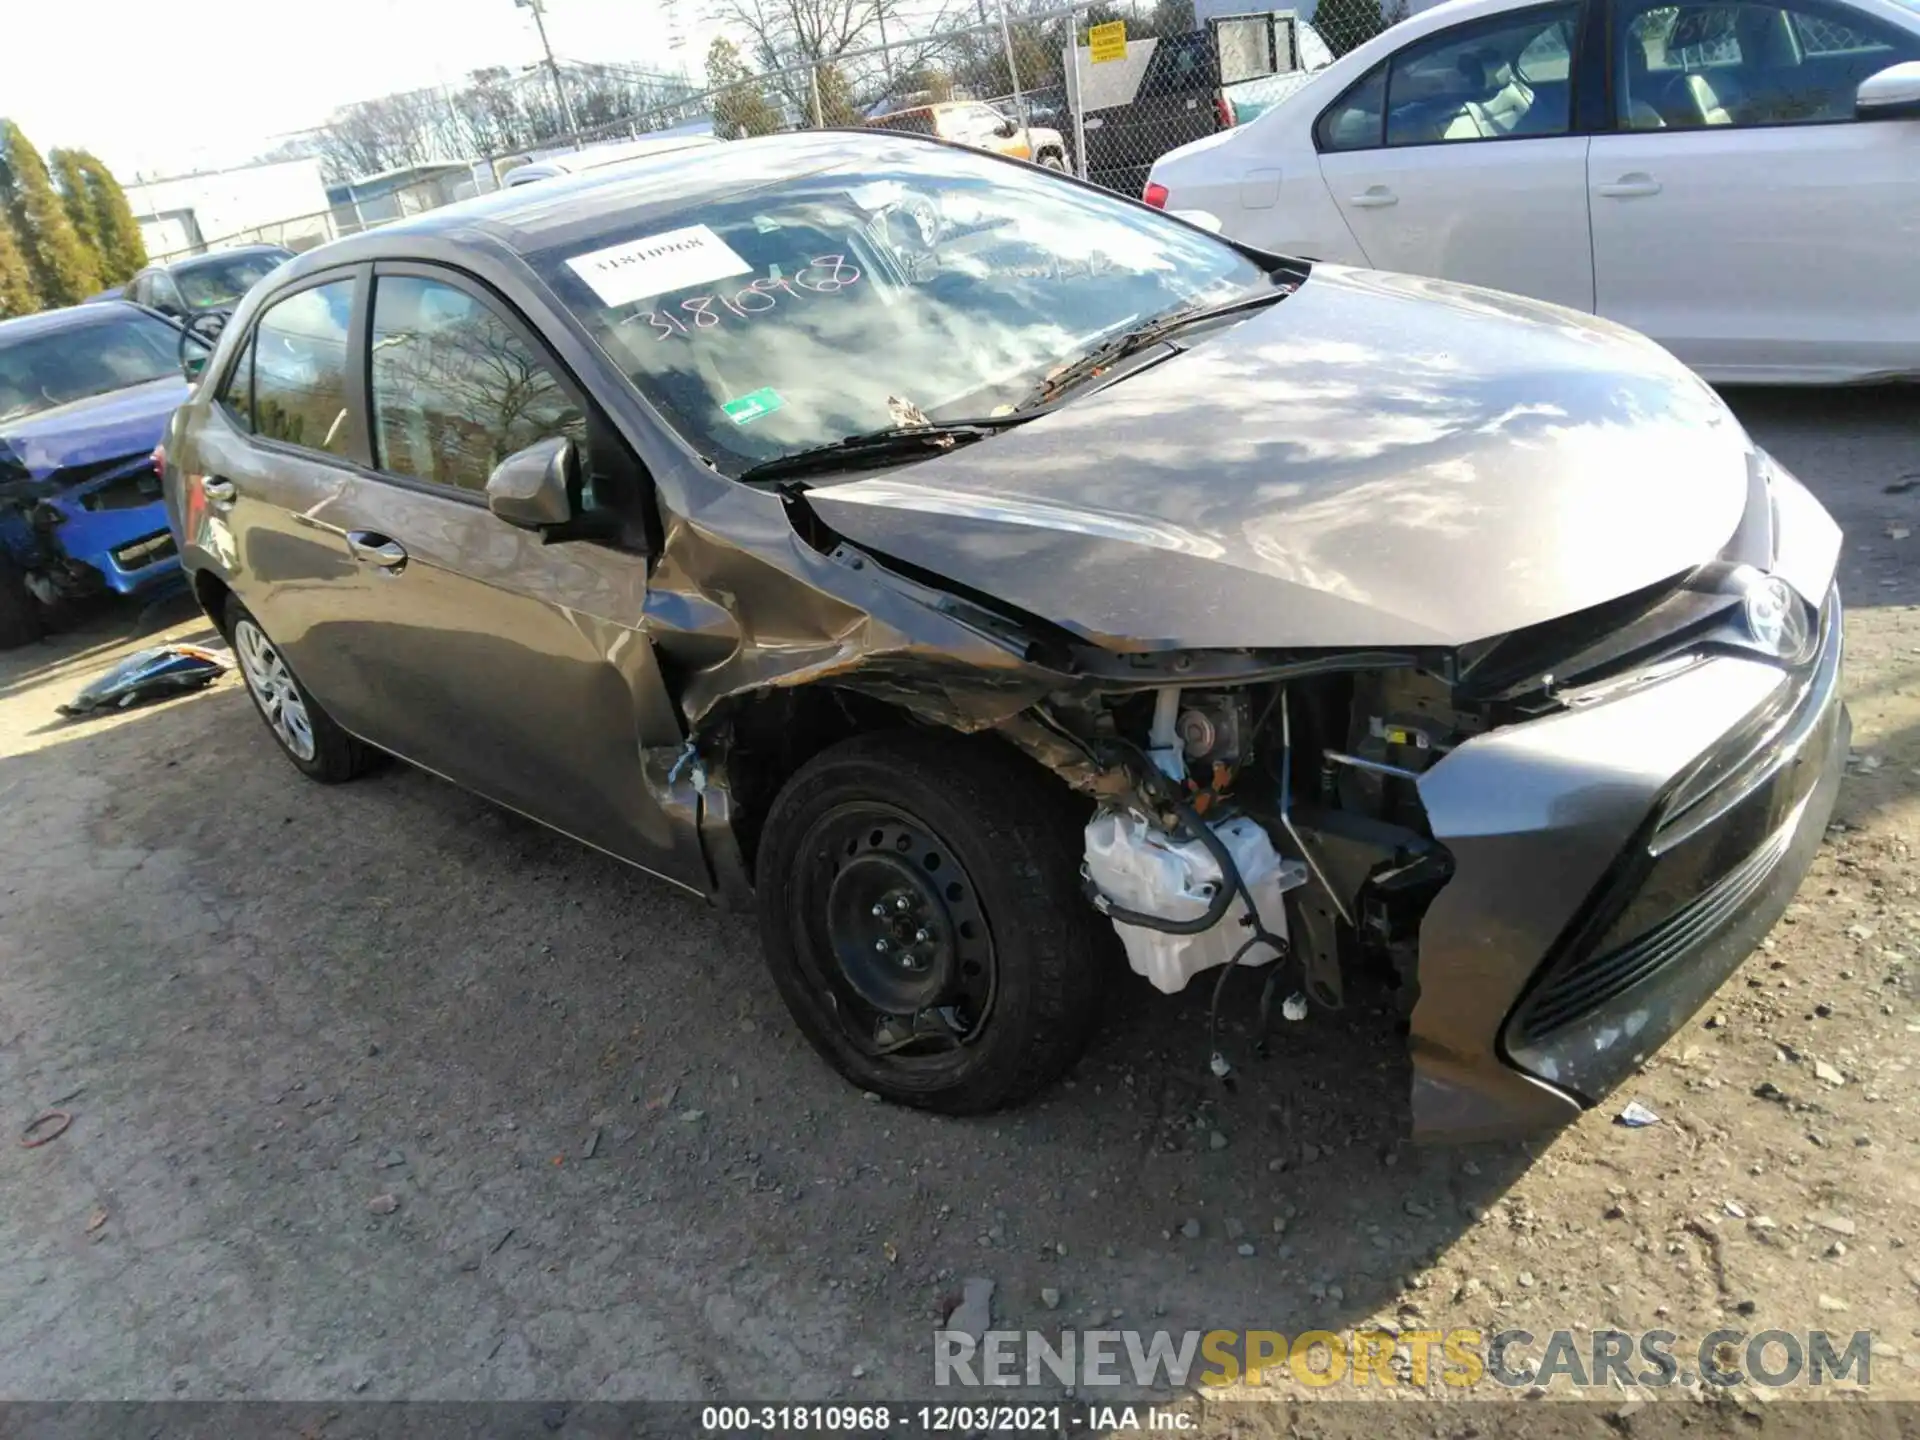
{"x":1556,"y":844}
{"x":82,"y":528}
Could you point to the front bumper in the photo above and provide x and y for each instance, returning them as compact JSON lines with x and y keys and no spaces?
{"x":1613,"y":865}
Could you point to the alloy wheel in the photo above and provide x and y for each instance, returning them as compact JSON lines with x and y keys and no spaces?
{"x":274,"y":690}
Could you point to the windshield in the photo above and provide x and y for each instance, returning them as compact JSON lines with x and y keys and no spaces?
{"x":119,"y":348}
{"x":928,"y":282}
{"x":215,"y":284}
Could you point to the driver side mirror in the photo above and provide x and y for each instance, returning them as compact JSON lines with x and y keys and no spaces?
{"x":1890,"y":94}
{"x":193,"y":363}
{"x":534,"y":488}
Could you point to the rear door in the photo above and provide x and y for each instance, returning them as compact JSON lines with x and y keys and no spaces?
{"x":1457,"y":157}
{"x":280,"y":450}
{"x":513,"y":666}
{"x":1741,"y":215}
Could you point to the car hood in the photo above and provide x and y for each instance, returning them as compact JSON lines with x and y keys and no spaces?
{"x":101,"y":427}
{"x":1376,"y":460}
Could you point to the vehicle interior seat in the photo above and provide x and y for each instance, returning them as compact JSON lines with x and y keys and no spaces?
{"x":1504,"y":99}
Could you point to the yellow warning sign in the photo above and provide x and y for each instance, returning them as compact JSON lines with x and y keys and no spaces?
{"x":1107,"y":42}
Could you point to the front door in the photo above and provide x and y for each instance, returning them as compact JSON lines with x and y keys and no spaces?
{"x":512,"y":666}
{"x":1455,"y":158}
{"x":1741,"y":215}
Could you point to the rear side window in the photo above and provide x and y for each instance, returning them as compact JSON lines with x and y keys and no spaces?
{"x":455,"y":390}
{"x":1353,"y":122}
{"x":1485,"y":81}
{"x":300,"y":369}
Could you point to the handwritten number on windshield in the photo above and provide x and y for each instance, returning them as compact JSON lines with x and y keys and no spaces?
{"x":823,"y":275}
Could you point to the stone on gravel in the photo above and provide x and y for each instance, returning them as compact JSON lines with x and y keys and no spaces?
{"x":1191,"y":1229}
{"x":974,"y":1313}
{"x":1246,"y":1247}
{"x":1838,"y":1224}
{"x":1831,"y":1304}
{"x":1824,"y":1072}
{"x":1216,"y":1140}
{"x":384,"y":1204}
{"x":1050,"y":1297}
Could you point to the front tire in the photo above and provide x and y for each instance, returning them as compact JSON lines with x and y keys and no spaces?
{"x":306,"y":734}
{"x":921,"y":916}
{"x":1054,"y":160}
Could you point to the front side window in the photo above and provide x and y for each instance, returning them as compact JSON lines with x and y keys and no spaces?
{"x":455,"y":390}
{"x":165,"y":295}
{"x":1690,"y":67}
{"x":1485,"y":81}
{"x":922,"y":281}
{"x":300,"y":368}
{"x":110,"y":348}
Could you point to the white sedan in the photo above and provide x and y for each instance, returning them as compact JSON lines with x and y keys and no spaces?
{"x":1740,"y":181}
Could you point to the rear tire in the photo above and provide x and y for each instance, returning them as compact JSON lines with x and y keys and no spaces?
{"x":305,"y":733}
{"x":1054,"y":160}
{"x":21,"y":619}
{"x":921,"y":916}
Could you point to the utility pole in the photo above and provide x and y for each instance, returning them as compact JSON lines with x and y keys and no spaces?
{"x":559,"y":89}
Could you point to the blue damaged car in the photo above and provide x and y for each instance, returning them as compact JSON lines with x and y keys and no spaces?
{"x":84,"y":398}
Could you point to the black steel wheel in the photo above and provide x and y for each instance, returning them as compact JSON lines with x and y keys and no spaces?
{"x":922,"y":918}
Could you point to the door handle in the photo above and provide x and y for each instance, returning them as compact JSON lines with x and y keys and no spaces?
{"x":1373,"y":198}
{"x":1628,"y":186}
{"x":218,"y":492}
{"x":372,"y":549}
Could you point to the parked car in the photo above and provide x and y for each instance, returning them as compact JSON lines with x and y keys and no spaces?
{"x":204,"y":284}
{"x":978,"y":124}
{"x":1736,"y":180}
{"x":84,"y":398}
{"x":594,"y":157}
{"x":878,"y":532}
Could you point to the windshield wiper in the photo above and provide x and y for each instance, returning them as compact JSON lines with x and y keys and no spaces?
{"x":1116,"y":348}
{"x":899,"y":441}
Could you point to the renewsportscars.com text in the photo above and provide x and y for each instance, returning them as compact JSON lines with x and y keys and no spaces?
{"x":1457,"y":1359}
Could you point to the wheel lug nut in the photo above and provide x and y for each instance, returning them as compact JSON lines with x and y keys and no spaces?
{"x":878,"y":911}
{"x":920,"y":937}
{"x":901,"y":903}
{"x":881,"y":946}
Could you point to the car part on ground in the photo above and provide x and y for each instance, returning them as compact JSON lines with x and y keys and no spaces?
{"x":1488,"y":620}
{"x":156,"y":673}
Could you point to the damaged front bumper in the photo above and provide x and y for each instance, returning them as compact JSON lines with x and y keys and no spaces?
{"x":1613,"y":865}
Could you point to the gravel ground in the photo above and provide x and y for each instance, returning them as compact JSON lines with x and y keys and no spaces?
{"x":378,"y":1091}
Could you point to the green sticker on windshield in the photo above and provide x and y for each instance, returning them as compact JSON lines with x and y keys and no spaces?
{"x":752,"y":406}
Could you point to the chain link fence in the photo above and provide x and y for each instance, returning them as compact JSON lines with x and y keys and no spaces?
{"x":1062,"y":87}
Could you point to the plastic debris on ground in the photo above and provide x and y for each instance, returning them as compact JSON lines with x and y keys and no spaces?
{"x":1636,"y":1115}
{"x":151,"y":674}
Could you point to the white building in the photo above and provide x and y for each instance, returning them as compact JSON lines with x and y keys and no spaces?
{"x":282,"y":201}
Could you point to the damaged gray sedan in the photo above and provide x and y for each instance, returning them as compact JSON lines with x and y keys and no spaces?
{"x":997,"y":583}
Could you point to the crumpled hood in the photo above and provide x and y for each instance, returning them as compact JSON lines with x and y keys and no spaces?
{"x":120,"y":422}
{"x":1377,"y":460}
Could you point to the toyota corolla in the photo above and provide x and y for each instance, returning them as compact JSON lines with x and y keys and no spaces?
{"x":997,"y":582}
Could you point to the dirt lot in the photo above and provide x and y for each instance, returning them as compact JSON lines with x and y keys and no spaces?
{"x":616,"y":1172}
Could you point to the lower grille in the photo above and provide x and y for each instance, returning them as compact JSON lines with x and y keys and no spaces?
{"x":151,"y":550}
{"x":1579,"y":988}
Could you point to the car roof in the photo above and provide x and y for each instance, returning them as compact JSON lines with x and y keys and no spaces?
{"x":527,"y":218}
{"x":69,"y":317}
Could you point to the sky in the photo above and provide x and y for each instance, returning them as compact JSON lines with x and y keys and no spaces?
{"x":218,"y":81}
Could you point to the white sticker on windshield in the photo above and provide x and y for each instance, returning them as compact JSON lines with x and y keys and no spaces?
{"x":671,"y":260}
